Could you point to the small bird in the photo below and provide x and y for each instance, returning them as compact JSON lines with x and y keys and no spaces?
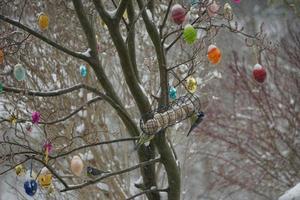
{"x":94,"y":172}
{"x":195,"y":122}
{"x":144,"y":138}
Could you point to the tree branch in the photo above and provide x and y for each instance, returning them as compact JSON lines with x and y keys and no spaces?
{"x":47,"y":40}
{"x":90,"y":182}
{"x":94,"y":144}
{"x":86,"y":26}
{"x":120,"y":10}
{"x":51,"y":93}
{"x":147,"y":191}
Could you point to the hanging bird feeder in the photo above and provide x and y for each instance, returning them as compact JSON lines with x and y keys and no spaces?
{"x":178,"y":110}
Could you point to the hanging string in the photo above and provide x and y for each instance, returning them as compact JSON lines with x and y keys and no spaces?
{"x":256,"y":53}
{"x":46,"y":155}
{"x":31,"y":167}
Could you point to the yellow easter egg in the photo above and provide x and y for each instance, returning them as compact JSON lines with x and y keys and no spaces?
{"x":45,"y":178}
{"x":191,"y":84}
{"x":43,"y":21}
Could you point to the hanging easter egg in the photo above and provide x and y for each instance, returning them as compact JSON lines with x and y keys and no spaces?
{"x":76,"y":165}
{"x":227,"y":11}
{"x":213,"y":8}
{"x":19,"y":72}
{"x":189,"y":34}
{"x":13,"y":119}
{"x":35,"y":117}
{"x":83,"y":70}
{"x":1,"y":88}
{"x":1,"y":57}
{"x":43,"y":20}
{"x":194,"y":2}
{"x":20,"y":171}
{"x":191,"y":84}
{"x":45,"y":178}
{"x":214,"y":54}
{"x":259,"y":73}
{"x":47,"y":146}
{"x":236,"y":1}
{"x":178,"y":14}
{"x":172,"y":93}
{"x":30,"y":187}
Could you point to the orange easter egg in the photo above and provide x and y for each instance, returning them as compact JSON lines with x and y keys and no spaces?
{"x":1,"y":56}
{"x":214,"y":54}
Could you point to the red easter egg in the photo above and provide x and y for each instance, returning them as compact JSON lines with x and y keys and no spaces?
{"x":259,"y":73}
{"x":178,"y":14}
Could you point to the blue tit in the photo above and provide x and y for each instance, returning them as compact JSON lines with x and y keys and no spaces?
{"x":94,"y":172}
{"x":196,"y":120}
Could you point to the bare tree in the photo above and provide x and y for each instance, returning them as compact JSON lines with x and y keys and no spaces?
{"x":126,"y":45}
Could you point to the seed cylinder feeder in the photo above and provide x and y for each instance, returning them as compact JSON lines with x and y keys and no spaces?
{"x":178,"y":110}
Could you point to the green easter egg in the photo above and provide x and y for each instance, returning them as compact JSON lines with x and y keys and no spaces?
{"x":19,"y":72}
{"x":189,"y":34}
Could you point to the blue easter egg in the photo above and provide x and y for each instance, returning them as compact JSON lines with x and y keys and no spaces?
{"x":30,"y":187}
{"x":83,"y":70}
{"x":172,"y":93}
{"x":19,"y":72}
{"x":193,"y":2}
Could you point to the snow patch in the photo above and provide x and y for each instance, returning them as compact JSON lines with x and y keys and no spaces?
{"x":86,"y":53}
{"x":291,"y":194}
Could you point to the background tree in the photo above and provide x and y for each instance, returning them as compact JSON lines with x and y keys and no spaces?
{"x":129,"y":49}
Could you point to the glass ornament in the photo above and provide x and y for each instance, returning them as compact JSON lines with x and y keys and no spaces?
{"x":19,"y":72}
{"x":259,"y":73}
{"x":191,"y":84}
{"x":83,"y":70}
{"x":43,"y":21}
{"x":214,"y":54}
{"x":178,"y":14}
{"x":30,"y":187}
{"x":189,"y":34}
{"x":172,"y":93}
